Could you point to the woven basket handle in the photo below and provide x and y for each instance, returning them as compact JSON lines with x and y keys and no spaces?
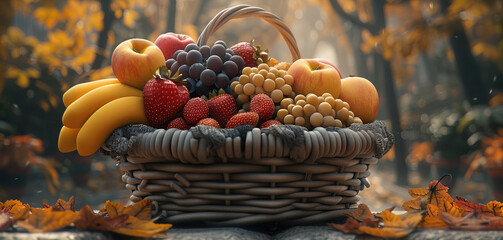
{"x":241,"y":11}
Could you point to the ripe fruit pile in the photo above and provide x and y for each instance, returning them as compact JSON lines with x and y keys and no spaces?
{"x":206,"y":68}
{"x":254,"y":89}
{"x":313,"y":111}
{"x":263,"y":79}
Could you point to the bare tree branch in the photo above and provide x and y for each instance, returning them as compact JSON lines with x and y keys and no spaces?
{"x":353,"y":19}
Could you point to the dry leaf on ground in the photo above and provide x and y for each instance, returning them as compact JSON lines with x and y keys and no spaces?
{"x":5,"y":221}
{"x":141,"y":210}
{"x":16,"y":209}
{"x":91,"y":221}
{"x":422,"y":197}
{"x":142,"y":228}
{"x":41,"y":220}
{"x":62,"y":205}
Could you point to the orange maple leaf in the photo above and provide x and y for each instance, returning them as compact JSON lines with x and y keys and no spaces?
{"x":142,"y":228}
{"x":496,"y":208}
{"x":350,"y":226}
{"x":62,"y":205}
{"x":16,"y":209}
{"x":362,"y":213}
{"x":91,"y":221}
{"x":142,"y":209}
{"x":395,"y":226}
{"x":362,"y":216}
{"x":41,"y":220}
{"x":422,"y":197}
{"x":468,"y":206}
{"x":431,"y":219}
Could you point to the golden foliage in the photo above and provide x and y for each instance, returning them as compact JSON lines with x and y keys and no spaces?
{"x":433,"y":208}
{"x":42,"y":220}
{"x":142,"y":228}
{"x":141,"y":210}
{"x":395,"y":226}
{"x":16,"y":209}
{"x":435,"y":195}
{"x":89,"y":220}
{"x":134,"y":220}
{"x":420,"y":152}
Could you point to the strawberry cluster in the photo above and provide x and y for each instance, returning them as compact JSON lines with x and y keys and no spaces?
{"x":168,"y":104}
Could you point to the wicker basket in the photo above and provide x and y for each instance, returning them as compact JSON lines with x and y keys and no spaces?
{"x":248,"y":175}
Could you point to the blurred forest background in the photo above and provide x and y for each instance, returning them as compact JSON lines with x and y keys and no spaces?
{"x":437,"y":65}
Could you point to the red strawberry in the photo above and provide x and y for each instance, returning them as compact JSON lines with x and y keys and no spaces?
{"x":208,"y":122}
{"x":247,"y":52}
{"x":222,"y":108}
{"x":179,"y":123}
{"x":195,"y":110}
{"x":263,"y":105}
{"x":163,"y":99}
{"x":250,"y":118}
{"x":269,"y":123}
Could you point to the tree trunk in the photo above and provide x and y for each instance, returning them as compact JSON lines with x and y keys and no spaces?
{"x":171,"y":16}
{"x":468,"y":70}
{"x":108,"y":19}
{"x":382,"y":72}
{"x":7,"y":13}
{"x":383,"y":66}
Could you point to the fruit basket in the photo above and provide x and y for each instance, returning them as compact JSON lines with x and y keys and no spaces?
{"x":247,"y":175}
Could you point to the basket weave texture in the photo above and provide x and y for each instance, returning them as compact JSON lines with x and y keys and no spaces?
{"x":252,"y":176}
{"x":247,"y":175}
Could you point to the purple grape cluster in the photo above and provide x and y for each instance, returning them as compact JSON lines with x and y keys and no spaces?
{"x":206,"y":68}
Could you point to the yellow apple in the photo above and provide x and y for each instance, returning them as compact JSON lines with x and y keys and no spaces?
{"x":135,"y":61}
{"x":314,"y":76}
{"x":362,"y":97}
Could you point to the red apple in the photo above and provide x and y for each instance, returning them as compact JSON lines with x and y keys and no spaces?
{"x":314,"y":76}
{"x":135,"y":61}
{"x":170,"y":42}
{"x":362,"y":97}
{"x":329,"y":63}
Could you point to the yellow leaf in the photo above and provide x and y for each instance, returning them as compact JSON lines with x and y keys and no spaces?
{"x":75,"y":10}
{"x":130,"y":17}
{"x":33,"y":73}
{"x":496,"y":208}
{"x":102,"y":73}
{"x":23,"y":80}
{"x":41,"y":220}
{"x":15,"y":35}
{"x":17,"y":210}
{"x":12,"y":72}
{"x":85,"y":57}
{"x":96,"y":21}
{"x":142,"y":209}
{"x":142,"y":228}
{"x":44,"y":105}
{"x":61,"y":39}
{"x":48,"y":16}
{"x":395,"y":226}
{"x":431,"y":219}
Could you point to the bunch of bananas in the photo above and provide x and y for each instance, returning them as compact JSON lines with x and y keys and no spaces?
{"x":94,"y":110}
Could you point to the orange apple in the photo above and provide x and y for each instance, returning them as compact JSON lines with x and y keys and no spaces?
{"x":314,"y":76}
{"x":135,"y":61}
{"x":362,"y":97}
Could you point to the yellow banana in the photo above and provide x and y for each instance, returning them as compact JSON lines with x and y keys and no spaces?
{"x":81,"y":109}
{"x":67,"y":141}
{"x":115,"y":114}
{"x":78,"y":90}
